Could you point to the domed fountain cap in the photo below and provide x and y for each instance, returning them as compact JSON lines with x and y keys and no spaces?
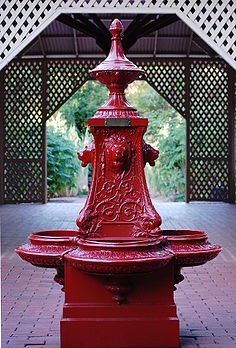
{"x":116,"y":60}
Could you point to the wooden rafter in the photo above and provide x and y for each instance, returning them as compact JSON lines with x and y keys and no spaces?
{"x":203,"y":46}
{"x":28,"y":47}
{"x":190,"y":43}
{"x":75,"y":41}
{"x":42,"y":46}
{"x":155,"y":44}
{"x":148,"y":28}
{"x":101,"y":25}
{"x":134,"y":27}
{"x":86,"y":27}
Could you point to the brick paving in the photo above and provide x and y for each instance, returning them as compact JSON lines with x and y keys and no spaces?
{"x":32,"y":302}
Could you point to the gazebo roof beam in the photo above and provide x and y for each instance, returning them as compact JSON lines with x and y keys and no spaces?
{"x":133,"y":24}
{"x":203,"y":46}
{"x":189,"y":43}
{"x":42,"y":46}
{"x":149,"y":28}
{"x":155,"y":44}
{"x":134,"y":27}
{"x":92,"y":26}
{"x":98,"y":32}
{"x":83,"y":36}
{"x":101,"y":25}
{"x":86,"y":29}
{"x":158,"y":24}
{"x":75,"y":41}
{"x":139,"y":21}
{"x":28,"y":47}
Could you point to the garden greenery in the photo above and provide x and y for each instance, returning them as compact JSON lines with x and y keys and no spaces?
{"x":67,"y":132}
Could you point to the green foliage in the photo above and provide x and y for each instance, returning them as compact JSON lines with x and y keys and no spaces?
{"x":166,"y":131}
{"x":167,"y":177}
{"x":62,"y":162}
{"x":83,"y":104}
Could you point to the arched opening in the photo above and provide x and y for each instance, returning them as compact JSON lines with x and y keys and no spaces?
{"x":67,"y":132}
{"x":178,"y":64}
{"x":166,"y":132}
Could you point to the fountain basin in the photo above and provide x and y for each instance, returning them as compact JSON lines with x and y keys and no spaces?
{"x":190,"y":247}
{"x":54,"y":237}
{"x":46,"y":248}
{"x":184,"y":236}
{"x":120,"y":255}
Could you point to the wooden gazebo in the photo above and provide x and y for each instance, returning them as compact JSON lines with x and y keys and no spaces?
{"x":187,"y":48}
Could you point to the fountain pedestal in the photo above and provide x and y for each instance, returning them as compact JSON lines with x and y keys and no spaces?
{"x":119,"y":268}
{"x":91,"y":318}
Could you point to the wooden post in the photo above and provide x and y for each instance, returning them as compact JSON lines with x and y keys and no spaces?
{"x":2,"y":136}
{"x":187,"y":113}
{"x":44,"y":132}
{"x":231,"y":111}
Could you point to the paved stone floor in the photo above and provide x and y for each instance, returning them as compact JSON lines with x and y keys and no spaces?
{"x":32,"y":302}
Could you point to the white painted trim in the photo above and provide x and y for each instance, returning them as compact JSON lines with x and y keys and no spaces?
{"x":131,"y":55}
{"x":122,"y":9}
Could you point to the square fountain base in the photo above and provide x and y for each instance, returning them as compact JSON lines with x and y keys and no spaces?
{"x":92,"y":318}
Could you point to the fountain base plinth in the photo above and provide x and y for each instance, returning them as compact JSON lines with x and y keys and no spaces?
{"x":132,"y":310}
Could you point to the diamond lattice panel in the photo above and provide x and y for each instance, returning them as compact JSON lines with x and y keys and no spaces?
{"x":208,"y":131}
{"x":23,"y":132}
{"x":23,"y":181}
{"x":214,"y":21}
{"x":235,"y":133}
{"x":168,"y":79}
{"x":64,"y":78}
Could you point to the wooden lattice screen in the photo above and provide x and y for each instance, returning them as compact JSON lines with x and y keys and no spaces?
{"x":201,"y":90}
{"x":209,"y":131}
{"x":167,"y":77}
{"x":64,"y":78}
{"x":23,"y":133}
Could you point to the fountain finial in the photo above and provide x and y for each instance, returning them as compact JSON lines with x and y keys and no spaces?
{"x":116,"y":29}
{"x":116,"y":72}
{"x":116,"y":60}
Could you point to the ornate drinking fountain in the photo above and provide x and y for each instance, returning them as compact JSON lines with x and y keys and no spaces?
{"x":119,"y":268}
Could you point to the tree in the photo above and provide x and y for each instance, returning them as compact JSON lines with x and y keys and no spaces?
{"x":83,"y":104}
{"x":166,"y":131}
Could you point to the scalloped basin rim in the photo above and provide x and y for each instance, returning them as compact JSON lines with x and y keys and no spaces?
{"x":215,"y":248}
{"x":159,"y":258}
{"x":54,"y":234}
{"x":118,"y":242}
{"x":53,"y":237}
{"x":170,"y":234}
{"x":184,"y":234}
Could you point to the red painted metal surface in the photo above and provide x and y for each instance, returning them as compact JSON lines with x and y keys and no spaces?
{"x":119,"y":268}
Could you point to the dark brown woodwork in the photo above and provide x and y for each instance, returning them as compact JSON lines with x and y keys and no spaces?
{"x":172,"y":78}
{"x":231,"y":128}
{"x":85,"y":26}
{"x":138,"y":22}
{"x":203,"y":46}
{"x":132,"y":26}
{"x":44,"y":132}
{"x":102,"y":26}
{"x":28,"y":47}
{"x":2,"y":136}
{"x":187,"y":131}
{"x":190,"y":44}
{"x":42,"y":46}
{"x":148,"y":28}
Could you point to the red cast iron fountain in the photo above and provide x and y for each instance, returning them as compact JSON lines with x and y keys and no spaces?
{"x":119,"y":269}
